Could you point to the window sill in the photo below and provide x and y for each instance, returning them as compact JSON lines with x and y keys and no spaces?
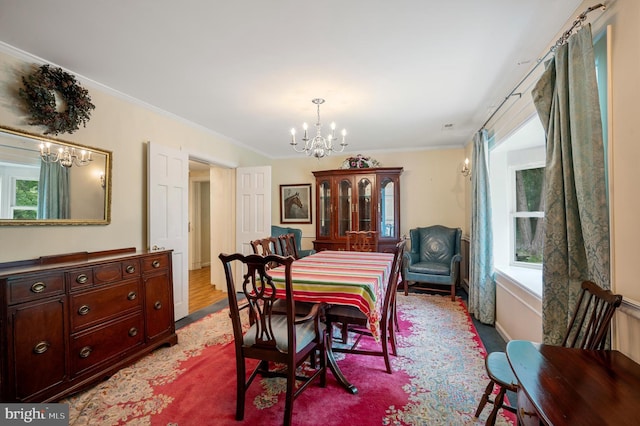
{"x":528,"y":278}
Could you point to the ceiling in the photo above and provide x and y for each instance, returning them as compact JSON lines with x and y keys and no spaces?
{"x":398,"y":75}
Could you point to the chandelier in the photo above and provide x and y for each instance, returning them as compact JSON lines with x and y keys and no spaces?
{"x":318,"y":146}
{"x":66,"y":156}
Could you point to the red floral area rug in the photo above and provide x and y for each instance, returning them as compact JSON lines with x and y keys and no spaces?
{"x":438,"y":378}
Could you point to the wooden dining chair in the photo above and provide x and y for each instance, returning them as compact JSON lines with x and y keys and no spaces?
{"x":269,"y":337}
{"x":356,"y":321}
{"x":288,"y":245}
{"x":362,"y":240}
{"x":588,"y":329}
{"x":265,"y":246}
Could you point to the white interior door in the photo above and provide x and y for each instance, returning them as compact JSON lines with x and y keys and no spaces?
{"x":168,"y":215}
{"x":253,"y":207}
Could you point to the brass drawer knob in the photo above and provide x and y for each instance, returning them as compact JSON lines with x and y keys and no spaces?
{"x":133,"y":331}
{"x":38,"y":287}
{"x":132,"y":295}
{"x":155,"y":263}
{"x":85,"y":352}
{"x":157,"y":305}
{"x":82,"y":278}
{"x":130,"y":269}
{"x":84,"y":310}
{"x":41,"y":347}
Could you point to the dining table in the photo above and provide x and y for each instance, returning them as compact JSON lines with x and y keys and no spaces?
{"x":350,"y":278}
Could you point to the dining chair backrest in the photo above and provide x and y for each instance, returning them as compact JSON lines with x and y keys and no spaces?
{"x":265,"y":246}
{"x":260,"y":294}
{"x":288,"y":246}
{"x":394,"y":276}
{"x":591,"y":320}
{"x":362,"y":240}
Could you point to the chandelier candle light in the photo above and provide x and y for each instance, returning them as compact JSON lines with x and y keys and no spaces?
{"x":318,"y":146}
{"x":66,"y":156}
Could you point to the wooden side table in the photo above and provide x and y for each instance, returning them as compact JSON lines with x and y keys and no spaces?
{"x":565,"y":386}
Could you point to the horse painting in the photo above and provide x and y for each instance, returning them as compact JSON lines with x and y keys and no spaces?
{"x":291,"y":202}
{"x":295,"y":204}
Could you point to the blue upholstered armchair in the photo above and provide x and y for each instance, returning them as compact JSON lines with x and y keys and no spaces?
{"x":276,"y":231}
{"x":434,"y":258}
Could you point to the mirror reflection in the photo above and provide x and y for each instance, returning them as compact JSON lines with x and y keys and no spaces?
{"x":49,"y":181}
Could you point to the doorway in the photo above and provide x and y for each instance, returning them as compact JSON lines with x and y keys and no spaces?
{"x":203,"y":291}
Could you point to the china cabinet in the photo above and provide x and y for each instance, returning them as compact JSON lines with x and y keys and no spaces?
{"x":73,"y":319}
{"x":357,"y":200}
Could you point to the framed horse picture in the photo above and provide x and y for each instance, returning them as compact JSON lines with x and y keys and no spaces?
{"x":295,"y":203}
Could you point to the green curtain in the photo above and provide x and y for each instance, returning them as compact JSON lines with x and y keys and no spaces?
{"x":53,"y":191}
{"x":482,"y":285}
{"x":576,"y":245}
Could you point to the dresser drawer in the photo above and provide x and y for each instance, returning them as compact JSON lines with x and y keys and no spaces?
{"x":107,"y":273}
{"x":79,"y":278}
{"x":90,"y":349}
{"x":155,"y":262}
{"x":130,"y":268}
{"x":33,"y":287}
{"x":96,"y":305}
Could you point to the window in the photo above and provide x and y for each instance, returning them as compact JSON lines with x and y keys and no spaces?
{"x":527,"y":216}
{"x":18,"y":191}
{"x":25,"y":199}
{"x":517,"y":181}
{"x":516,"y":164}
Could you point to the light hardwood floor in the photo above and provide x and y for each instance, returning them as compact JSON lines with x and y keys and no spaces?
{"x":201,"y":292}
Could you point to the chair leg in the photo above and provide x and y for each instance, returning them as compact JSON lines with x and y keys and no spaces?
{"x":497,"y":404}
{"x":384,"y":339}
{"x":392,"y":335}
{"x":240,"y":389}
{"x":453,"y":292}
{"x":312,"y":359}
{"x":345,"y":332}
{"x":395,"y":311}
{"x":485,"y":398}
{"x":323,"y":361}
{"x":288,"y":404}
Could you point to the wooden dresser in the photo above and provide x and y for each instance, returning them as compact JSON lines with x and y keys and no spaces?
{"x":70,"y":320}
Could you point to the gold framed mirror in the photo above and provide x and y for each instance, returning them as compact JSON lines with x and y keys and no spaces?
{"x":47,"y":181}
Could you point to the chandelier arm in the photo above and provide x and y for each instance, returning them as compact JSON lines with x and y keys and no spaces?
{"x":318,"y":146}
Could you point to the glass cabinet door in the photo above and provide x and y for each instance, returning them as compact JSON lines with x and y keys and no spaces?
{"x":387,"y":209}
{"x":365,"y":204}
{"x":324,"y":208}
{"x":344,"y":206}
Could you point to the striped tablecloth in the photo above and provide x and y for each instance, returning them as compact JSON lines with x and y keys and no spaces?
{"x":341,"y":277}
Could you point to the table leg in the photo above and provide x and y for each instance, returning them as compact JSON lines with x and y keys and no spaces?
{"x":333,"y":366}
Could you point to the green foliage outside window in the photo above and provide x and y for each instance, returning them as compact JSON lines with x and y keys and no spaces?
{"x":529,"y":229}
{"x":26,"y":196}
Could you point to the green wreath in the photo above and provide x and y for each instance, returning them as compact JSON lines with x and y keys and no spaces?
{"x":39,"y":94}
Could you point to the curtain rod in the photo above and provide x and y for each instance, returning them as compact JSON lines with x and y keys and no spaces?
{"x":563,"y":39}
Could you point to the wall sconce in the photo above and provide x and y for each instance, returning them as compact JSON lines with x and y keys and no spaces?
{"x":102,"y":181}
{"x":466,"y":170}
